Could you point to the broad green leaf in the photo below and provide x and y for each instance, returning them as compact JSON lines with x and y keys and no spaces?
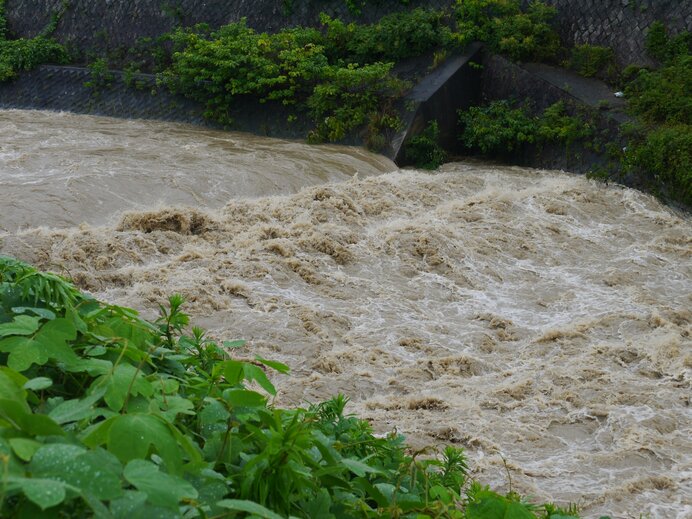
{"x":24,"y":448}
{"x":43,"y":492}
{"x":257,"y":374}
{"x":124,"y":378}
{"x":99,"y":509}
{"x":54,"y":336}
{"x":359,"y":468}
{"x":136,"y":332}
{"x":244,"y":398}
{"x":320,"y":505}
{"x":74,"y":410}
{"x":96,"y":473}
{"x":41,"y":425}
{"x":409,"y":502}
{"x":16,"y":414}
{"x":21,"y":325}
{"x":233,"y":372}
{"x":125,"y":506}
{"x":243,"y":505}
{"x":133,"y":505}
{"x":38,"y":383}
{"x":11,"y":387}
{"x":50,"y":342}
{"x":213,"y":415}
{"x":132,"y":436}
{"x":52,"y":457}
{"x":24,"y":352}
{"x":41,"y":312}
{"x":162,"y":489}
{"x":173,"y":405}
{"x":93,"y":367}
{"x":13,"y":412}
{"x":441,"y":493}
{"x":489,"y":505}
{"x":278,"y":366}
{"x":97,"y":434}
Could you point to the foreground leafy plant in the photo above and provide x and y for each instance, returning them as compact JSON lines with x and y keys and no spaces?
{"x":105,"y":414}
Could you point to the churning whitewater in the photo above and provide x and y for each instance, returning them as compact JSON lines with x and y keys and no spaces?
{"x":534,"y":316}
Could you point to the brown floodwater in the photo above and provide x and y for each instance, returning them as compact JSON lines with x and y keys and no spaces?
{"x":529,"y":315}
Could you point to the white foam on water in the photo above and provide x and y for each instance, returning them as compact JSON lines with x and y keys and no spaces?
{"x":548,"y":313}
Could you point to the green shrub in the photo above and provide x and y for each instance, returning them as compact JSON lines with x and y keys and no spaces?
{"x":424,"y":150}
{"x":663,"y":95}
{"x":101,"y":77}
{"x":350,"y":96}
{"x":526,"y":36}
{"x":506,"y":29}
{"x":26,"y":54}
{"x":664,"y":48}
{"x":592,"y":60}
{"x":497,"y":128}
{"x":104,"y":414}
{"x":394,"y":37}
{"x":236,"y":61}
{"x":288,"y":67}
{"x":501,"y":129}
{"x":22,"y":54}
{"x":556,"y":125}
{"x":665,"y":155}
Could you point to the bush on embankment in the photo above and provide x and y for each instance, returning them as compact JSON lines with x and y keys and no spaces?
{"x":107,"y":415}
{"x":660,"y":100}
{"x":658,"y":151}
{"x":341,"y":74}
{"x":503,"y":128}
{"x":26,"y":54}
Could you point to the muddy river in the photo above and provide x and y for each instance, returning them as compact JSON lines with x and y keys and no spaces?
{"x":529,"y":315}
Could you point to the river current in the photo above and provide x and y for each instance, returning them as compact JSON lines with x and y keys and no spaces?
{"x":527,"y":315}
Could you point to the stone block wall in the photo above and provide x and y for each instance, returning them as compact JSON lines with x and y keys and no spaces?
{"x":98,"y":25}
{"x":619,"y":24}
{"x":90,"y":25}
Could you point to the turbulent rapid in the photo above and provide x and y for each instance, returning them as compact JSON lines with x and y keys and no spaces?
{"x":530,"y":316}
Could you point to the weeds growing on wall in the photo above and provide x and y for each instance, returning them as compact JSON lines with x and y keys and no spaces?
{"x":100,"y":75}
{"x":506,"y":29}
{"x":592,"y":61}
{"x":25,"y":54}
{"x":103,"y":414}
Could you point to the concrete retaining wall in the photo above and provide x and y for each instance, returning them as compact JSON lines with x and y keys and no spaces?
{"x":454,"y":85}
{"x":503,"y":79}
{"x":63,"y":88}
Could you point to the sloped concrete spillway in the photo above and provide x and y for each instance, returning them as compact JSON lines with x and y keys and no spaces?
{"x":528,"y":314}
